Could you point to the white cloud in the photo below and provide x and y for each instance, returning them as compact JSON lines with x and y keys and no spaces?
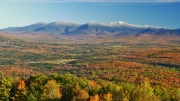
{"x":90,"y":0}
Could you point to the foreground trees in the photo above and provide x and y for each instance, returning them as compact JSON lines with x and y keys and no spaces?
{"x":68,"y":87}
{"x":51,"y":91}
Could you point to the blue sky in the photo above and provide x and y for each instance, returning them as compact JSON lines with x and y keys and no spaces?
{"x":165,"y":13}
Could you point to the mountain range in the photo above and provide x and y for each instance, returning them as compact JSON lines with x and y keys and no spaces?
{"x":95,"y":28}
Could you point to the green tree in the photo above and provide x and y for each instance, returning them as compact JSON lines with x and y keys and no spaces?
{"x":31,"y":97}
{"x":161,"y":93}
{"x":40,"y":79}
{"x":127,"y":93}
{"x":176,"y":95}
{"x":5,"y":88}
{"x":112,"y":89}
{"x":145,"y":92}
{"x":34,"y":91}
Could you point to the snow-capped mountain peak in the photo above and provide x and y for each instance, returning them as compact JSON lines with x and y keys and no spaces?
{"x":122,"y":23}
{"x":93,"y":23}
{"x":39,"y":23}
{"x":113,"y":24}
{"x":64,"y":23}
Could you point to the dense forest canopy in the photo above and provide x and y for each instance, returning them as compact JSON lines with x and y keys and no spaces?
{"x":68,"y":87}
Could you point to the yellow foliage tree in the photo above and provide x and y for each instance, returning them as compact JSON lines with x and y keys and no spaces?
{"x":79,"y":94}
{"x":94,"y":98}
{"x":106,"y":97}
{"x":51,"y":91}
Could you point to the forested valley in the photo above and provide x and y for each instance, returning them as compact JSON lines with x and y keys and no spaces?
{"x":89,"y":68}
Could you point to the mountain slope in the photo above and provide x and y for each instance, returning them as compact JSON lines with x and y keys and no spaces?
{"x":47,"y":28}
{"x":57,"y":27}
{"x":91,"y":28}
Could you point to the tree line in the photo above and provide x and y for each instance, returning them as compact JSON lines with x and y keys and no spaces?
{"x":68,"y":87}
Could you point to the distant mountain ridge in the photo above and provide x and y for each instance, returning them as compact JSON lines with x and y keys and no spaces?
{"x":113,"y":28}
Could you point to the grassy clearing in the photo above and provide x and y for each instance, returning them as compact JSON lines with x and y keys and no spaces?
{"x":116,"y":46}
{"x":59,"y":61}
